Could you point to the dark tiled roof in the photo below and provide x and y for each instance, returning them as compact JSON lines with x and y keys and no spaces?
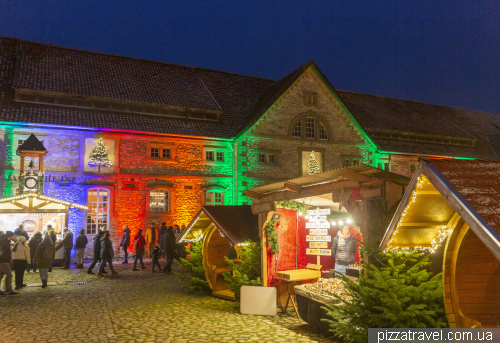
{"x":478,"y":182}
{"x":32,"y":143}
{"x":237,"y":221}
{"x":42,"y":67}
{"x":383,"y":113}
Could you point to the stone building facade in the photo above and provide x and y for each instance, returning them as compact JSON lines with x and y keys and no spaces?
{"x":180,"y":137}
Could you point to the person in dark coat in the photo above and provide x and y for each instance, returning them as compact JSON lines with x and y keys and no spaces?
{"x":20,"y":231}
{"x":6,"y":263}
{"x":44,"y":257}
{"x":53,"y":238}
{"x":156,"y":259}
{"x":125,"y":242}
{"x":33,"y":244}
{"x":106,"y":255}
{"x":344,"y":248}
{"x":67,"y":243}
{"x":97,"y":251}
{"x":161,"y":232}
{"x":139,"y":245}
{"x":169,"y":246}
{"x":80,"y":245}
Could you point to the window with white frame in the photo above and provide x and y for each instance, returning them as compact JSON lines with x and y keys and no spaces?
{"x":98,"y":212}
{"x":214,"y":198}
{"x":159,"y":200}
{"x":262,"y":158}
{"x":322,"y":132}
{"x":271,"y":159}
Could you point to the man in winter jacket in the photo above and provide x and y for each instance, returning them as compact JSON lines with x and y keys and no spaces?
{"x":33,"y":244}
{"x":20,"y":231}
{"x":106,"y":255}
{"x":97,"y":251}
{"x":125,"y":242}
{"x":161,"y":232}
{"x":44,"y":257}
{"x":6,"y":263}
{"x":67,"y":243}
{"x":169,"y":246}
{"x":139,"y":244}
{"x":81,"y":243}
{"x":150,"y":239}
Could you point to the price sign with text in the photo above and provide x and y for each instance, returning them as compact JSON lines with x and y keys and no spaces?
{"x":318,"y":225}
{"x":321,"y":232}
{"x":319,"y":212}
{"x":318,"y":238}
{"x":321,"y":252}
{"x":318,"y":245}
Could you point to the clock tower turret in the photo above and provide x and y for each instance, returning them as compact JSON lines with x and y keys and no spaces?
{"x":31,"y":180}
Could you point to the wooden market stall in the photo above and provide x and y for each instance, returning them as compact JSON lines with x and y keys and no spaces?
{"x":225,"y":229}
{"x":362,"y":196}
{"x":452,"y":210}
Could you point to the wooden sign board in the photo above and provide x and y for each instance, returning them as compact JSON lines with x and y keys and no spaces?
{"x":322,"y":232}
{"x":318,"y":238}
{"x":319,"y":212}
{"x":318,"y":225}
{"x":318,"y":245}
{"x":321,"y":252}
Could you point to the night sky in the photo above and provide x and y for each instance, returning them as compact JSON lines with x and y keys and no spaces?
{"x":431,"y":51}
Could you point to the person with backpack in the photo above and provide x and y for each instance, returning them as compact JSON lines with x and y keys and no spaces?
{"x":33,"y":244}
{"x":97,"y":251}
{"x":139,"y":244}
{"x":106,"y":255}
{"x":44,"y":257}
{"x":67,"y":243}
{"x":81,"y":243}
{"x":20,"y":258}
{"x":6,"y":262}
{"x":125,"y":242}
{"x":169,"y":246}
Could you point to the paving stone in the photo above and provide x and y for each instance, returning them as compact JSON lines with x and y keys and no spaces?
{"x":135,"y":307}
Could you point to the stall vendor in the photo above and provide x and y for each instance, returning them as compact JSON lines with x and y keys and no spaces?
{"x":344,"y":249}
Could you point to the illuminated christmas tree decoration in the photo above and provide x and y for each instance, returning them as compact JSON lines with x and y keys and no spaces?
{"x":313,"y":166}
{"x":99,"y":156}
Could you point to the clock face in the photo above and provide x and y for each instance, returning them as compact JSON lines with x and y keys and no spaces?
{"x":31,"y":182}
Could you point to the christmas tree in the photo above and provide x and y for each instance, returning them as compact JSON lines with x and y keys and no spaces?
{"x":313,"y":166}
{"x":99,"y":156}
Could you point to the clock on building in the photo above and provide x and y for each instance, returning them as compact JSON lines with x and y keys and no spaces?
{"x":31,"y":182}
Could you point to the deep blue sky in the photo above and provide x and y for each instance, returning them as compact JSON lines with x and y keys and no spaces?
{"x":428,"y":50}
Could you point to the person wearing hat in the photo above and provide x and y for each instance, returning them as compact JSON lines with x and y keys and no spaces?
{"x":6,"y":262}
{"x":67,"y":243}
{"x":139,"y":244}
{"x":97,"y":251}
{"x":125,"y":242}
{"x":80,"y":245}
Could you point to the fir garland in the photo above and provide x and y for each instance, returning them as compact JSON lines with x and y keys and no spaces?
{"x":272,"y":236}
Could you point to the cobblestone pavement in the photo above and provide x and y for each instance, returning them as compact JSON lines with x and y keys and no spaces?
{"x":134,"y":307}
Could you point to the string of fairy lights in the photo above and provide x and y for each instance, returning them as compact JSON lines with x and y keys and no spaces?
{"x":42,"y":197}
{"x":444,"y":231}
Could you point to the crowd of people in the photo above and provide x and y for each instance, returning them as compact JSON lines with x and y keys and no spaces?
{"x":40,"y":252}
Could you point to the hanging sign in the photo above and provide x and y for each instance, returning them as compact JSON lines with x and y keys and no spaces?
{"x":318,"y":238}
{"x":321,"y":252}
{"x":318,"y":245}
{"x":319,"y":212}
{"x":318,"y":232}
{"x":318,"y":225}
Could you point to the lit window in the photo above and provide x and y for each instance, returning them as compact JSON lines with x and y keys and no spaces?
{"x":271,"y":159}
{"x":98,"y":212}
{"x":262,"y":158}
{"x":167,"y":153}
{"x":209,"y":155}
{"x":214,"y":198}
{"x":159,"y":200}
{"x":297,"y":130}
{"x":155,"y":152}
{"x":322,"y":132}
{"x":310,"y":128}
{"x":220,"y":156}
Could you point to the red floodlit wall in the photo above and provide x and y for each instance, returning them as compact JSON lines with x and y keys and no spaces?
{"x":288,"y":232}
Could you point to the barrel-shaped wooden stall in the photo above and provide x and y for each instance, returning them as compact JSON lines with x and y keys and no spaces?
{"x":449,"y":212}
{"x":225,"y":230}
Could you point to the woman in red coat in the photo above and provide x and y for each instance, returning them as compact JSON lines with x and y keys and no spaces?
{"x":139,"y":244}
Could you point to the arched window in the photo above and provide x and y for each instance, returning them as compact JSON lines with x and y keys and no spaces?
{"x":310,"y":126}
{"x":98,"y":212}
{"x":214,"y":198}
{"x":159,"y":200}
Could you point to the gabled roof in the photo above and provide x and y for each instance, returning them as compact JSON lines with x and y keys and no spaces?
{"x":32,"y":144}
{"x":470,"y":188}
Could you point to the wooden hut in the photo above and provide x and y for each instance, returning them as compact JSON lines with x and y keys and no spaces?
{"x":225,"y":230}
{"x":452,"y":209}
